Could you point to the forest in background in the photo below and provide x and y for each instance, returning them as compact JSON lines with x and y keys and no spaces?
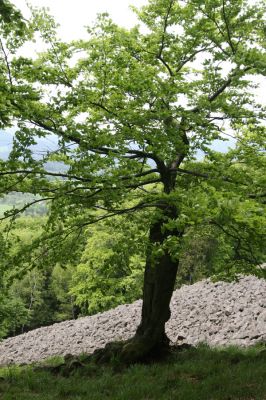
{"x":106,"y":269}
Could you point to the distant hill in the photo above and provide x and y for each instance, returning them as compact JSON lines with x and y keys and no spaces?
{"x":43,"y":144}
{"x":19,"y":199}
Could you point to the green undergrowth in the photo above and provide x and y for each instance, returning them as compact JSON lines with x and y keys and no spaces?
{"x":190,"y":374}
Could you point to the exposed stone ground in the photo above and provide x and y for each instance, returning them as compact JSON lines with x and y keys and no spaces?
{"x":216,"y":313}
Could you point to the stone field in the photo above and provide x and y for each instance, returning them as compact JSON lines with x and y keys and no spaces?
{"x":215,"y":313}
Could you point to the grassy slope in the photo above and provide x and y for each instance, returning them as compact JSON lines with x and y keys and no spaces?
{"x":193,"y":374}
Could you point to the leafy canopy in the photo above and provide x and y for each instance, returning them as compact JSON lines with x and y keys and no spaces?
{"x":130,"y":110}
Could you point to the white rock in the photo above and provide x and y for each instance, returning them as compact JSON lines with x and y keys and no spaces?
{"x":219,"y":314}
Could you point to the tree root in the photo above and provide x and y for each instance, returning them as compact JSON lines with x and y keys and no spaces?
{"x":118,"y":354}
{"x":135,"y":350}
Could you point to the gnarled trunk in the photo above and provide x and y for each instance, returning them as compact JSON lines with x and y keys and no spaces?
{"x":159,"y":280}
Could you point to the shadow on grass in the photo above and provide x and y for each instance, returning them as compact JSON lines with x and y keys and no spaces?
{"x":189,"y":374}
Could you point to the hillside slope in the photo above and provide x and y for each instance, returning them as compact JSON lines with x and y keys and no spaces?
{"x":216,"y":313}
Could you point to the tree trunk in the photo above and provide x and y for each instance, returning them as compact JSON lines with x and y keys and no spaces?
{"x":159,"y":280}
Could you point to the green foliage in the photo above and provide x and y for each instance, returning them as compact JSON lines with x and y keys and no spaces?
{"x":3,"y":292}
{"x":107,"y":272}
{"x":61,"y":280}
{"x":11,"y":16}
{"x":193,"y":374}
{"x":111,"y":268}
{"x":13,"y":316}
{"x":31,"y":297}
{"x":40,"y":298}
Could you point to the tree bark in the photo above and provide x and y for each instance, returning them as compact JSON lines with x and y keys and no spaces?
{"x":159,"y":281}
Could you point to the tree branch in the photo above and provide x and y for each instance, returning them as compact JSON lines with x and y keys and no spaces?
{"x":12,"y":214}
{"x":166,"y":65}
{"x":7,"y":63}
{"x":189,"y":58}
{"x":76,"y":177}
{"x":171,"y":2}
{"x":160,"y":52}
{"x":222,"y":88}
{"x":206,"y":176}
{"x":227,"y":29}
{"x":55,"y":174}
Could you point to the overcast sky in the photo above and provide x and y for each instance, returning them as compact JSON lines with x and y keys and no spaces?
{"x":74,"y":15}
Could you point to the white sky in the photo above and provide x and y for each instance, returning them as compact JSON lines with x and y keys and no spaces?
{"x":74,"y":15}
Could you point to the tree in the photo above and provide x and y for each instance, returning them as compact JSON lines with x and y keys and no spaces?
{"x":110,"y":271}
{"x":31,"y":297}
{"x":131,"y":109}
{"x":14,"y":32}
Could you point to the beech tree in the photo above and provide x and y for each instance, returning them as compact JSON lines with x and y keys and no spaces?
{"x":133,"y":110}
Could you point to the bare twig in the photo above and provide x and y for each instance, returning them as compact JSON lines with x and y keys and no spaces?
{"x":7,"y":63}
{"x":227,"y":29}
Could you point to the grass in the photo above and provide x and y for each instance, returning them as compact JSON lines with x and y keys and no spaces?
{"x":191,"y":374}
